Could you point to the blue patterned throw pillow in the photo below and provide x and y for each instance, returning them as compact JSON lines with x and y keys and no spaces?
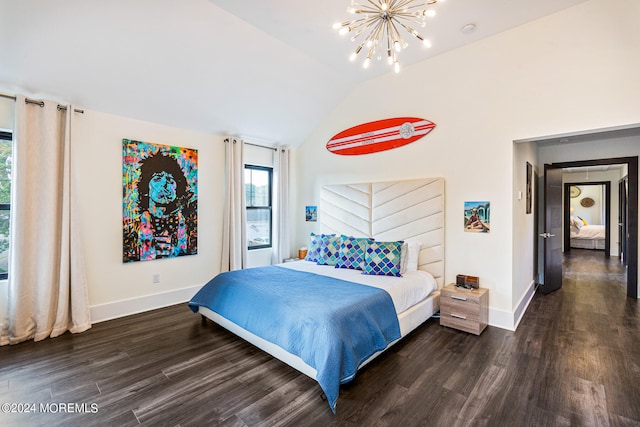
{"x":383,"y":258}
{"x":351,"y":254}
{"x":328,"y":249}
{"x":314,"y":247}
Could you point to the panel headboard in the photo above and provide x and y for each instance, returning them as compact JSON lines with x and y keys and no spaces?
{"x":411,"y":210}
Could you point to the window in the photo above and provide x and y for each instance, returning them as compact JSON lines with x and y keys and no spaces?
{"x":6,"y":146}
{"x":257,"y":186}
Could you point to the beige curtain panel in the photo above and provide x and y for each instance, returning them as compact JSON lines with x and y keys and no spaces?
{"x":234,"y":235}
{"x":281,"y":222}
{"x":47,"y":292}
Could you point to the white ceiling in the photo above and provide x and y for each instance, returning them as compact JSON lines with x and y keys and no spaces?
{"x":267,"y":70}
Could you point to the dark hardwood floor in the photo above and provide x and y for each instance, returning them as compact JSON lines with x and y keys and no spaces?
{"x":574,"y":360}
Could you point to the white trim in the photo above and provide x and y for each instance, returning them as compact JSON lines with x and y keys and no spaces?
{"x":521,"y":308}
{"x":114,"y":310}
{"x":501,"y":319}
{"x":510,"y":320}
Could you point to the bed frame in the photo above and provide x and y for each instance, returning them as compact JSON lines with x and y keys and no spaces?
{"x":594,"y":244}
{"x":411,"y":210}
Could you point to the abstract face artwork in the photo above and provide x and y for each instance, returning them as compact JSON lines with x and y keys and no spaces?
{"x":160,"y":200}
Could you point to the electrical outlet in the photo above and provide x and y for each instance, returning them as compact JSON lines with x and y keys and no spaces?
{"x":156,"y":278}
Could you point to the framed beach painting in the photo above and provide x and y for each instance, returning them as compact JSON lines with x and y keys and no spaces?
{"x":477,"y":217}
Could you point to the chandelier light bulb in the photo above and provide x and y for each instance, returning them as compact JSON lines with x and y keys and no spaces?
{"x":426,"y":43}
{"x":366,"y":63}
{"x":397,"y":46}
{"x":396,"y":67}
{"x":430,"y":13}
{"x":344,"y":30}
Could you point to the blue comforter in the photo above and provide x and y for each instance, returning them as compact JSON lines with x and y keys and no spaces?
{"x":331,"y":324}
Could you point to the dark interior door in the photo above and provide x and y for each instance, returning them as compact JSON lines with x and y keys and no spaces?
{"x":552,"y":234}
{"x":622,"y":219}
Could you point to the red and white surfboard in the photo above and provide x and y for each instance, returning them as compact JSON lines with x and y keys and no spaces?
{"x":380,"y":135}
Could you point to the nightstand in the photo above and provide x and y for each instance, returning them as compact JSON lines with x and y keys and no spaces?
{"x":464,"y":309}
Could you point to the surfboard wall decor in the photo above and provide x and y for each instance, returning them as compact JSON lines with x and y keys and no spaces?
{"x":380,"y":135}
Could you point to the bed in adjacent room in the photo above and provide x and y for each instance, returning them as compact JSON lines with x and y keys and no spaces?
{"x":587,"y":236}
{"x":370,"y":277}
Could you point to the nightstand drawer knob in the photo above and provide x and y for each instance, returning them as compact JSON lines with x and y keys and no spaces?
{"x":458,"y":316}
{"x":458,"y":298}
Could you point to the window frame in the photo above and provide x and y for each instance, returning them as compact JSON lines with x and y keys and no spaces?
{"x":5,"y":136}
{"x":268,"y":207}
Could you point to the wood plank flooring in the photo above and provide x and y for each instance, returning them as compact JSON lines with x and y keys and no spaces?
{"x":574,"y":361}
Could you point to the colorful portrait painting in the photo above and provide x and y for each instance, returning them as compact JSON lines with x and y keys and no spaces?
{"x":477,"y":217}
{"x":160,"y":201}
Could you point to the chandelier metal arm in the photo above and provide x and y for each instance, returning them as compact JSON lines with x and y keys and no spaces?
{"x":376,"y":5}
{"x":362,"y":25}
{"x":409,"y":29}
{"x":374,"y":37}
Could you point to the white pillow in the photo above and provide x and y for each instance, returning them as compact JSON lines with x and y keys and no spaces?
{"x":576,"y":223}
{"x":410,"y":255}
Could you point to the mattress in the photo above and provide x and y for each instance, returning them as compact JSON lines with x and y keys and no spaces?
{"x":415,"y":297}
{"x":405,"y":291}
{"x":588,"y":237}
{"x":597,"y":244}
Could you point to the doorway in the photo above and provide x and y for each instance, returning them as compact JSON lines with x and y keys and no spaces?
{"x":587,"y":216}
{"x":554,"y":203}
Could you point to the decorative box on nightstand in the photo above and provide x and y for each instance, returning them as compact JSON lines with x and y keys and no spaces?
{"x":464,"y":309}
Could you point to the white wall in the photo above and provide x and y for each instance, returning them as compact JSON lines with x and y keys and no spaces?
{"x":524,"y":228}
{"x":571,"y":71}
{"x":116,"y":288}
{"x":593,"y":214}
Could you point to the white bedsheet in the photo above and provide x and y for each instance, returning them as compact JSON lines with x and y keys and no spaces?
{"x":405,"y":291}
{"x":589,"y":232}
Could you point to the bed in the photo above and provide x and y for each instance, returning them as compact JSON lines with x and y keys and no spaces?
{"x":587,"y":236}
{"x":378,"y":309}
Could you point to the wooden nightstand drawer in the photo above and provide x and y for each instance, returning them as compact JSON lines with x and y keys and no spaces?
{"x":466,"y":310}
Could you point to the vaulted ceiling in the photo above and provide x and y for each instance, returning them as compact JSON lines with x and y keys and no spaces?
{"x":267,"y":70}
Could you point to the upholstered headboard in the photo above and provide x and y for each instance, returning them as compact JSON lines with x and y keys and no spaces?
{"x":411,"y":210}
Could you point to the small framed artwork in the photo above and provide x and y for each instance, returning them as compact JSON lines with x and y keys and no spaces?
{"x":311,"y":213}
{"x":529,"y":187}
{"x":477,"y":217}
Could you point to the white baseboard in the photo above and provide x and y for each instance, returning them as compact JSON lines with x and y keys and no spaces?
{"x":114,"y":310}
{"x":523,"y":304}
{"x":501,"y":319}
{"x":103,"y":312}
{"x":510,"y":320}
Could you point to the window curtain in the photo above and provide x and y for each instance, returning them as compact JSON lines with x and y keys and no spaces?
{"x":47,"y":288}
{"x":282,"y":224}
{"x":234,"y":234}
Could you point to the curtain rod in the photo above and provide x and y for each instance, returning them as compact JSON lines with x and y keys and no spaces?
{"x":261,"y":146}
{"x":40,"y":103}
{"x":254,"y":145}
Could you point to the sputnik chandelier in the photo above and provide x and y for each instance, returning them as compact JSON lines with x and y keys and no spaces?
{"x":380,"y":21}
